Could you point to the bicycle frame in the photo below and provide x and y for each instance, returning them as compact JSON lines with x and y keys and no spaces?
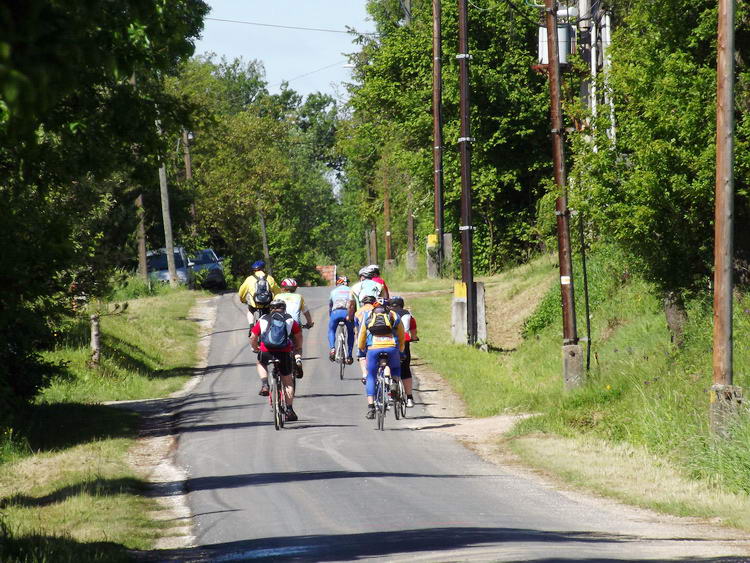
{"x":276,"y":395}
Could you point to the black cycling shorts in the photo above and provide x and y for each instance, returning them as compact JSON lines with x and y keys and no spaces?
{"x":285,"y":361}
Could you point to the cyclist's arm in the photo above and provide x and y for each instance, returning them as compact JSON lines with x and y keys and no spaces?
{"x":351,"y":309}
{"x":244,"y":288}
{"x":254,"y":337}
{"x":297,"y":337}
{"x":362,"y":339}
{"x":413,"y":328}
{"x":401,"y":336}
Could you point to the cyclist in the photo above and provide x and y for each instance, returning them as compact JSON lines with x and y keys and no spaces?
{"x":368,"y":303}
{"x":295,"y":303}
{"x":338,"y":310}
{"x":380,"y":331}
{"x":374,"y":270}
{"x":258,"y":290}
{"x":364,"y":287}
{"x":410,"y":335}
{"x":275,"y":335}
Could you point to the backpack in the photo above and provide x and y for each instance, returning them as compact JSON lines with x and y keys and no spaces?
{"x":380,"y":323}
{"x":262,"y":295}
{"x":275,"y":336}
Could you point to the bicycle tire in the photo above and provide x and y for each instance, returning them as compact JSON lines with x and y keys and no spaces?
{"x":282,"y":404}
{"x":341,"y":353}
{"x":397,"y":404}
{"x":381,"y":400}
{"x":274,"y":394}
{"x":402,"y":398}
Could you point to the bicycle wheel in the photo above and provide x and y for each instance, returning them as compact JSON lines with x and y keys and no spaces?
{"x":381,"y":401}
{"x":341,"y":353}
{"x":274,"y":394}
{"x":282,"y":403}
{"x":401,"y":399}
{"x":396,"y":394}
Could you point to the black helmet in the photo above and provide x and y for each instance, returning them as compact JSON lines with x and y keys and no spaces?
{"x":368,"y":299}
{"x":277,"y":304}
{"x":396,"y":301}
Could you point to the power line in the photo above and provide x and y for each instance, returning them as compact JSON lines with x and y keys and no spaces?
{"x":290,"y":27}
{"x":309,"y":73}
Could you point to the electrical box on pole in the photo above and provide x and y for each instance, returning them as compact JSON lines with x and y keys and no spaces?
{"x":565,"y":37}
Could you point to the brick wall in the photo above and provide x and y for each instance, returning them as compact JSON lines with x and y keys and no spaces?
{"x":328,"y":273}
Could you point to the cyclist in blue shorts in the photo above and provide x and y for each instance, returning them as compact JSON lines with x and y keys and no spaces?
{"x":338,"y":309}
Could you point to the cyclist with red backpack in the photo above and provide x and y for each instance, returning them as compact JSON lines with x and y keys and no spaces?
{"x":275,"y":335}
{"x":257,"y":291}
{"x":380,"y":331}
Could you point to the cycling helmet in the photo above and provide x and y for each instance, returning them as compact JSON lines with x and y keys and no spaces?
{"x":258,"y":265}
{"x":288,"y":282}
{"x":374,"y":270}
{"x":342,"y":280}
{"x":277,"y":304}
{"x":365,"y":272}
{"x":396,"y":302}
{"x":368,"y":299}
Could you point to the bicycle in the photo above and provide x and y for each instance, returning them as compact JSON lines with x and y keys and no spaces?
{"x":382,"y":390}
{"x":341,"y":337}
{"x":398,"y":393}
{"x":276,"y":395}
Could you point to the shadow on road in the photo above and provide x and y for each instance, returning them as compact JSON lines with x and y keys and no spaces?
{"x":387,"y":544}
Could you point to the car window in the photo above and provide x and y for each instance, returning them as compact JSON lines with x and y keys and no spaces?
{"x":159,"y":261}
{"x":206,"y":256}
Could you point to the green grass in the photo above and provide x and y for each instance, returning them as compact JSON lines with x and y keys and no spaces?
{"x":67,"y":492}
{"x":640,"y":391}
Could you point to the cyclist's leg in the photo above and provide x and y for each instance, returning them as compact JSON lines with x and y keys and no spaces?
{"x":333,"y":323}
{"x":406,"y":371}
{"x":286,"y":370}
{"x":262,"y":363}
{"x":349,"y":337}
{"x":371,"y":362}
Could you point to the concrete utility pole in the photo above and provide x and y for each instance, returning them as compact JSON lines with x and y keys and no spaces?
{"x":725,"y":397}
{"x":584,"y":44}
{"x":571,"y":349}
{"x":437,"y":130}
{"x":406,"y":5}
{"x":464,"y":143}
{"x":188,"y":169}
{"x":387,"y":223}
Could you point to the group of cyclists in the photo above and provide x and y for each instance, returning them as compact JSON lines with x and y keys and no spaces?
{"x":381,"y":324}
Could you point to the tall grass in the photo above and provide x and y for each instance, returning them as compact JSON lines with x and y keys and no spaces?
{"x":641,"y":390}
{"x":67,"y":492}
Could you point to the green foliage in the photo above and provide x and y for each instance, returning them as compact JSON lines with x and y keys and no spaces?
{"x":388,"y":140}
{"x":652,"y":190}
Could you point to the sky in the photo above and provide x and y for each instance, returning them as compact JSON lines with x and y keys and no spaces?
{"x":298,"y":56}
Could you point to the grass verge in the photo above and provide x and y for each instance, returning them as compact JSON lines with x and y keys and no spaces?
{"x":67,"y":492}
{"x":642,"y":394}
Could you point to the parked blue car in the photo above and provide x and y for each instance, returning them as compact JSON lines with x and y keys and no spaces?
{"x":207,"y":261}
{"x":156,"y":262}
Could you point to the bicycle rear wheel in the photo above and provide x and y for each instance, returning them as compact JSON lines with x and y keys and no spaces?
{"x":341,"y":353}
{"x":401,"y":399}
{"x":274,"y":394}
{"x":282,"y":402}
{"x":381,"y":401}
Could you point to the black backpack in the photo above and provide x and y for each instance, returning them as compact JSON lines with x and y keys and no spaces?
{"x":262,"y":295}
{"x":275,"y":337}
{"x":380,"y":323}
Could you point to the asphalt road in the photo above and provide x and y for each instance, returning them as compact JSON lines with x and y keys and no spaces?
{"x":330,"y":487}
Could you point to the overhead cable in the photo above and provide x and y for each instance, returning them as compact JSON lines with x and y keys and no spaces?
{"x":350,"y":32}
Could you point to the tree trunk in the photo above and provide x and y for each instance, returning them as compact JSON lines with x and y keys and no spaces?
{"x":96,"y":349}
{"x":264,"y":236}
{"x":674,"y":310}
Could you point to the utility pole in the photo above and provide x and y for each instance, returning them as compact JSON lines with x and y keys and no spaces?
{"x":387,"y":223}
{"x":188,"y":168}
{"x":464,"y":143}
{"x":406,"y":6}
{"x":141,"y":234}
{"x":411,"y":259}
{"x":167,"y":218}
{"x":264,"y":239}
{"x":571,"y":349}
{"x":725,"y":397}
{"x":437,"y":129}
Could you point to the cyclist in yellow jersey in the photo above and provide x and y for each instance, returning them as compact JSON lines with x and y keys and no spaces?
{"x":380,"y":331}
{"x":248,"y":291}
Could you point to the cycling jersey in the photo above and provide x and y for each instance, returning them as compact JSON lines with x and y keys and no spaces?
{"x":292,"y":327}
{"x":363,"y":288}
{"x":372,"y":342}
{"x":339,"y":298}
{"x":295,"y":304}
{"x":247,"y":289}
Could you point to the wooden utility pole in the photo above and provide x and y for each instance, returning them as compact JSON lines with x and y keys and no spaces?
{"x":725,"y":397}
{"x":437,"y":129}
{"x":571,"y":349}
{"x":464,"y":144}
{"x":141,"y":234}
{"x":387,"y":222}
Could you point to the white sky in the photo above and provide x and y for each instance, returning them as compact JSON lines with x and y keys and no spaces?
{"x":288,"y":54}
